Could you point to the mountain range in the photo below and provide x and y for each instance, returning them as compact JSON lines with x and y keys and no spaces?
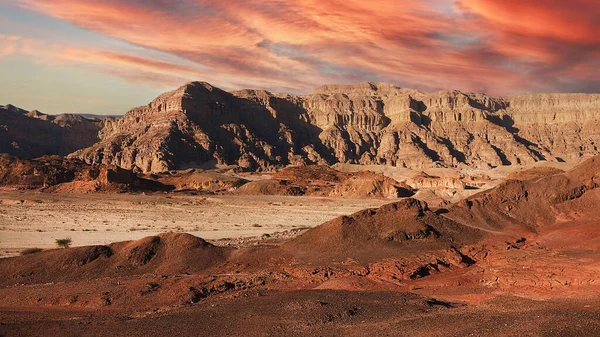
{"x":368,"y":123}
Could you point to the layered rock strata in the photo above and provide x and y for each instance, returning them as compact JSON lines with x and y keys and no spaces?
{"x":369,"y":123}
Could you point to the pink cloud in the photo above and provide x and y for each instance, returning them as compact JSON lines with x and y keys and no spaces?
{"x":493,"y":45}
{"x":9,"y":44}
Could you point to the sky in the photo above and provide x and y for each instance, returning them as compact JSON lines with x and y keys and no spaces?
{"x":107,"y":56}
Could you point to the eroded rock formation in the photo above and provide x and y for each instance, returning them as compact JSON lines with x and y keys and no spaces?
{"x":368,"y":123}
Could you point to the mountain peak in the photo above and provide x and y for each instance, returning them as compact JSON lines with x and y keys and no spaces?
{"x":12,"y":108}
{"x":195,"y":85}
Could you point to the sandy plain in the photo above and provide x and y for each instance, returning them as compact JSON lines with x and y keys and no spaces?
{"x":32,"y":219}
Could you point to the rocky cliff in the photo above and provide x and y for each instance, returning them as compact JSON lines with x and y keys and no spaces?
{"x":31,"y":134}
{"x":368,"y":123}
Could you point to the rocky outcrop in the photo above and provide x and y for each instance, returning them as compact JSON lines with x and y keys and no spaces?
{"x":314,"y":180}
{"x":200,"y":181}
{"x":59,"y":174}
{"x":368,"y":184}
{"x":199,"y":123}
{"x":31,"y":134}
{"x":368,"y":123}
{"x":425,"y":180}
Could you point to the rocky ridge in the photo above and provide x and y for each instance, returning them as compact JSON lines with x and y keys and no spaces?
{"x":59,"y":174}
{"x":368,"y":123}
{"x":31,"y":134}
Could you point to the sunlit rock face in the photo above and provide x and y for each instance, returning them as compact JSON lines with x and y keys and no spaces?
{"x":367,"y":123}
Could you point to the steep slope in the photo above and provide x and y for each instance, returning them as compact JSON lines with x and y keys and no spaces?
{"x":534,"y":203}
{"x":199,"y":123}
{"x":31,"y":134}
{"x":368,"y":123}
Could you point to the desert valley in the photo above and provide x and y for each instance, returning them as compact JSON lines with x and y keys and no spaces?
{"x":364,"y":209}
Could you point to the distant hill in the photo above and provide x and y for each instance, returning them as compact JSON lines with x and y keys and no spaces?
{"x":99,"y":117}
{"x":31,"y":134}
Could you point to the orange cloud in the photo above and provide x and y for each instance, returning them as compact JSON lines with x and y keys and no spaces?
{"x":574,"y":20}
{"x":549,"y":42}
{"x":8,"y":44}
{"x":501,"y":46}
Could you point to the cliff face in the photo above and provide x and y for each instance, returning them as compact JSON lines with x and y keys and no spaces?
{"x":199,"y":123}
{"x":31,"y":134}
{"x":368,"y":123}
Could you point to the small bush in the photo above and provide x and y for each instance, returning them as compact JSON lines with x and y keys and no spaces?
{"x":64,"y":243}
{"x":31,"y":251}
{"x":153,"y":285}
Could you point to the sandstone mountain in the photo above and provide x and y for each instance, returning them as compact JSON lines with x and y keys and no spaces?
{"x":368,"y":123}
{"x":31,"y":134}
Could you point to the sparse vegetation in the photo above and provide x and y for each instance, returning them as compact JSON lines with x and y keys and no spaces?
{"x":64,"y":243}
{"x":151,"y":287}
{"x":31,"y":251}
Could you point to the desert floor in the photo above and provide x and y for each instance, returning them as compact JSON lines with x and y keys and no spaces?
{"x":536,"y":283}
{"x":33,"y":219}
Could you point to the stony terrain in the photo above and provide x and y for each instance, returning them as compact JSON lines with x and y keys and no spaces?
{"x":52,"y":197}
{"x":54,"y":174}
{"x":199,"y":125}
{"x":518,"y":259}
{"x":31,"y":134}
{"x":59,"y":174}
